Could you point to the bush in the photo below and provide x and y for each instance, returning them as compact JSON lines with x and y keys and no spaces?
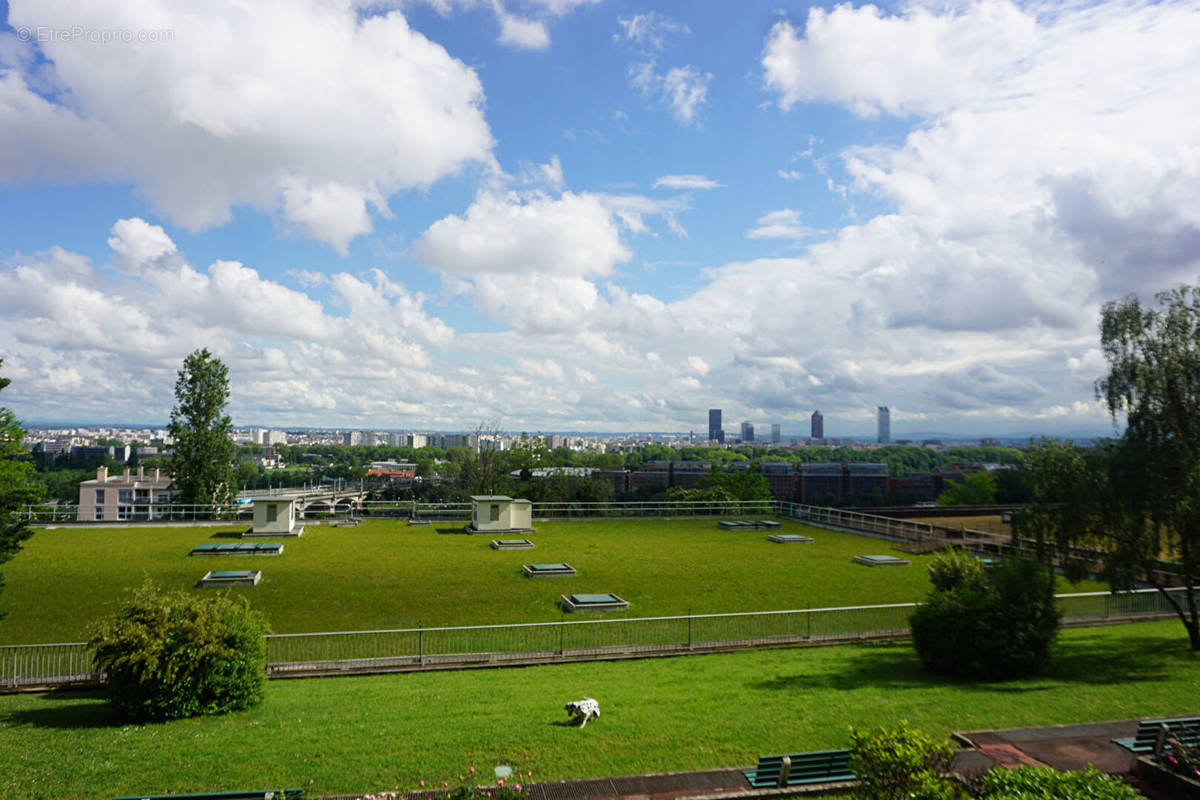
{"x":1044,"y":783}
{"x":996,"y":625}
{"x":901,"y":764}
{"x":952,"y":569}
{"x":175,"y":655}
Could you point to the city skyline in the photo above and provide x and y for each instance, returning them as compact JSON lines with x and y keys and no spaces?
{"x":547,"y":212}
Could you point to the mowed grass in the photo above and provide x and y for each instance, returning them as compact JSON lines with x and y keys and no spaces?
{"x":384,"y":574}
{"x":392,"y":731}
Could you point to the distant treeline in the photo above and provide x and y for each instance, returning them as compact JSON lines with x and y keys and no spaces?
{"x":446,"y":473}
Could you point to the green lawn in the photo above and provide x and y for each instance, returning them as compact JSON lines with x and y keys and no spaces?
{"x":384,"y":574}
{"x":387,"y":732}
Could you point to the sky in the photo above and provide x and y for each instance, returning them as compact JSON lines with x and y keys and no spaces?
{"x":590,"y":214}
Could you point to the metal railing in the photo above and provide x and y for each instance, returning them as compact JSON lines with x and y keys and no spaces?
{"x":299,"y":654}
{"x":436,"y":512}
{"x":906,"y":530}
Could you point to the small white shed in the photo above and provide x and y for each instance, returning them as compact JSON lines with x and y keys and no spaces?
{"x":500,"y":514}
{"x":274,"y":518}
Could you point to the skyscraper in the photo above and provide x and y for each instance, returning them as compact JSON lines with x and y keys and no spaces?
{"x":714,"y":425}
{"x":818,"y":426}
{"x":885,"y":425}
{"x":747,"y":432}
{"x":776,"y":436}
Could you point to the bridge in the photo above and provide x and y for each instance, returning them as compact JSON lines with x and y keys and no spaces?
{"x":312,"y":499}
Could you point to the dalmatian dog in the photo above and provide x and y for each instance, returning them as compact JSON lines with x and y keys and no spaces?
{"x":583,"y":710}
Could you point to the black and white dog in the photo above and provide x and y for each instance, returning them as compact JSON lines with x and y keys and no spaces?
{"x":583,"y":710}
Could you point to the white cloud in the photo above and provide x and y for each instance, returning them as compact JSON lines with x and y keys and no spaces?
{"x":1032,"y":187}
{"x":92,"y":343}
{"x":549,"y":174}
{"x":686,"y":182}
{"x":682,"y":90}
{"x":1037,"y":186}
{"x":649,"y":29}
{"x":283,"y":106}
{"x":918,"y":61}
{"x":136,"y":242}
{"x":526,"y":34}
{"x":561,"y":8}
{"x":782,"y":224}
{"x":572,"y":235}
{"x":632,"y":209}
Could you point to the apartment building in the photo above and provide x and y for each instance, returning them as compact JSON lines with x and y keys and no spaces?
{"x":124,"y":497}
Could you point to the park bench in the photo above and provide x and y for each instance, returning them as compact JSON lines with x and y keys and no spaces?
{"x":252,"y":794}
{"x":797,"y":769}
{"x":1185,"y":729}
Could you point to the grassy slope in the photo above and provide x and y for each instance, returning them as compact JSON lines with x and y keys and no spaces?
{"x":386,"y":732}
{"x":384,"y":574}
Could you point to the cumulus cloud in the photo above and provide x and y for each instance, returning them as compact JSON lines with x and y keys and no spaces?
{"x":118,"y":335}
{"x":288,"y":107}
{"x":1047,"y":169}
{"x":530,"y":259}
{"x":918,"y":61}
{"x":572,"y":235}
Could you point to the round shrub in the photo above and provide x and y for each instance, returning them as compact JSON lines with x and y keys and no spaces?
{"x":995,"y":625}
{"x":901,"y":764}
{"x":169,"y":655}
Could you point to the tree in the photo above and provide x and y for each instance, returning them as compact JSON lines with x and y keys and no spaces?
{"x":174,"y":655}
{"x":202,"y":466}
{"x":482,"y":471}
{"x":1153,"y":381}
{"x":738,"y":484}
{"x":977,"y":489}
{"x":18,"y":485}
{"x":1130,"y":507}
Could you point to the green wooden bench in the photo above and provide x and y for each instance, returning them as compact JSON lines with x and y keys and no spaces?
{"x":798,"y":769}
{"x":1185,"y":729}
{"x":252,"y":794}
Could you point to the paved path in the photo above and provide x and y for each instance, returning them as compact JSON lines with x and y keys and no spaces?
{"x":1066,"y":747}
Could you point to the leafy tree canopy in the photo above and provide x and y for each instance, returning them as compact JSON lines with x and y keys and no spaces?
{"x":1133,"y":501}
{"x":18,"y":485}
{"x":977,"y":489}
{"x":203,"y":464}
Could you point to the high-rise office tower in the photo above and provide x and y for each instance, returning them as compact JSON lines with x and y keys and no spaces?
{"x":818,"y":426}
{"x":885,"y":425}
{"x":714,"y":425}
{"x":776,"y":436}
{"x":747,"y":432}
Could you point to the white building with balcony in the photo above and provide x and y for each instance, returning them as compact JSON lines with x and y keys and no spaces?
{"x":125,"y":497}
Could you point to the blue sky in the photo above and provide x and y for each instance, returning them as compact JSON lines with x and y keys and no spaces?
{"x":585,"y":214}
